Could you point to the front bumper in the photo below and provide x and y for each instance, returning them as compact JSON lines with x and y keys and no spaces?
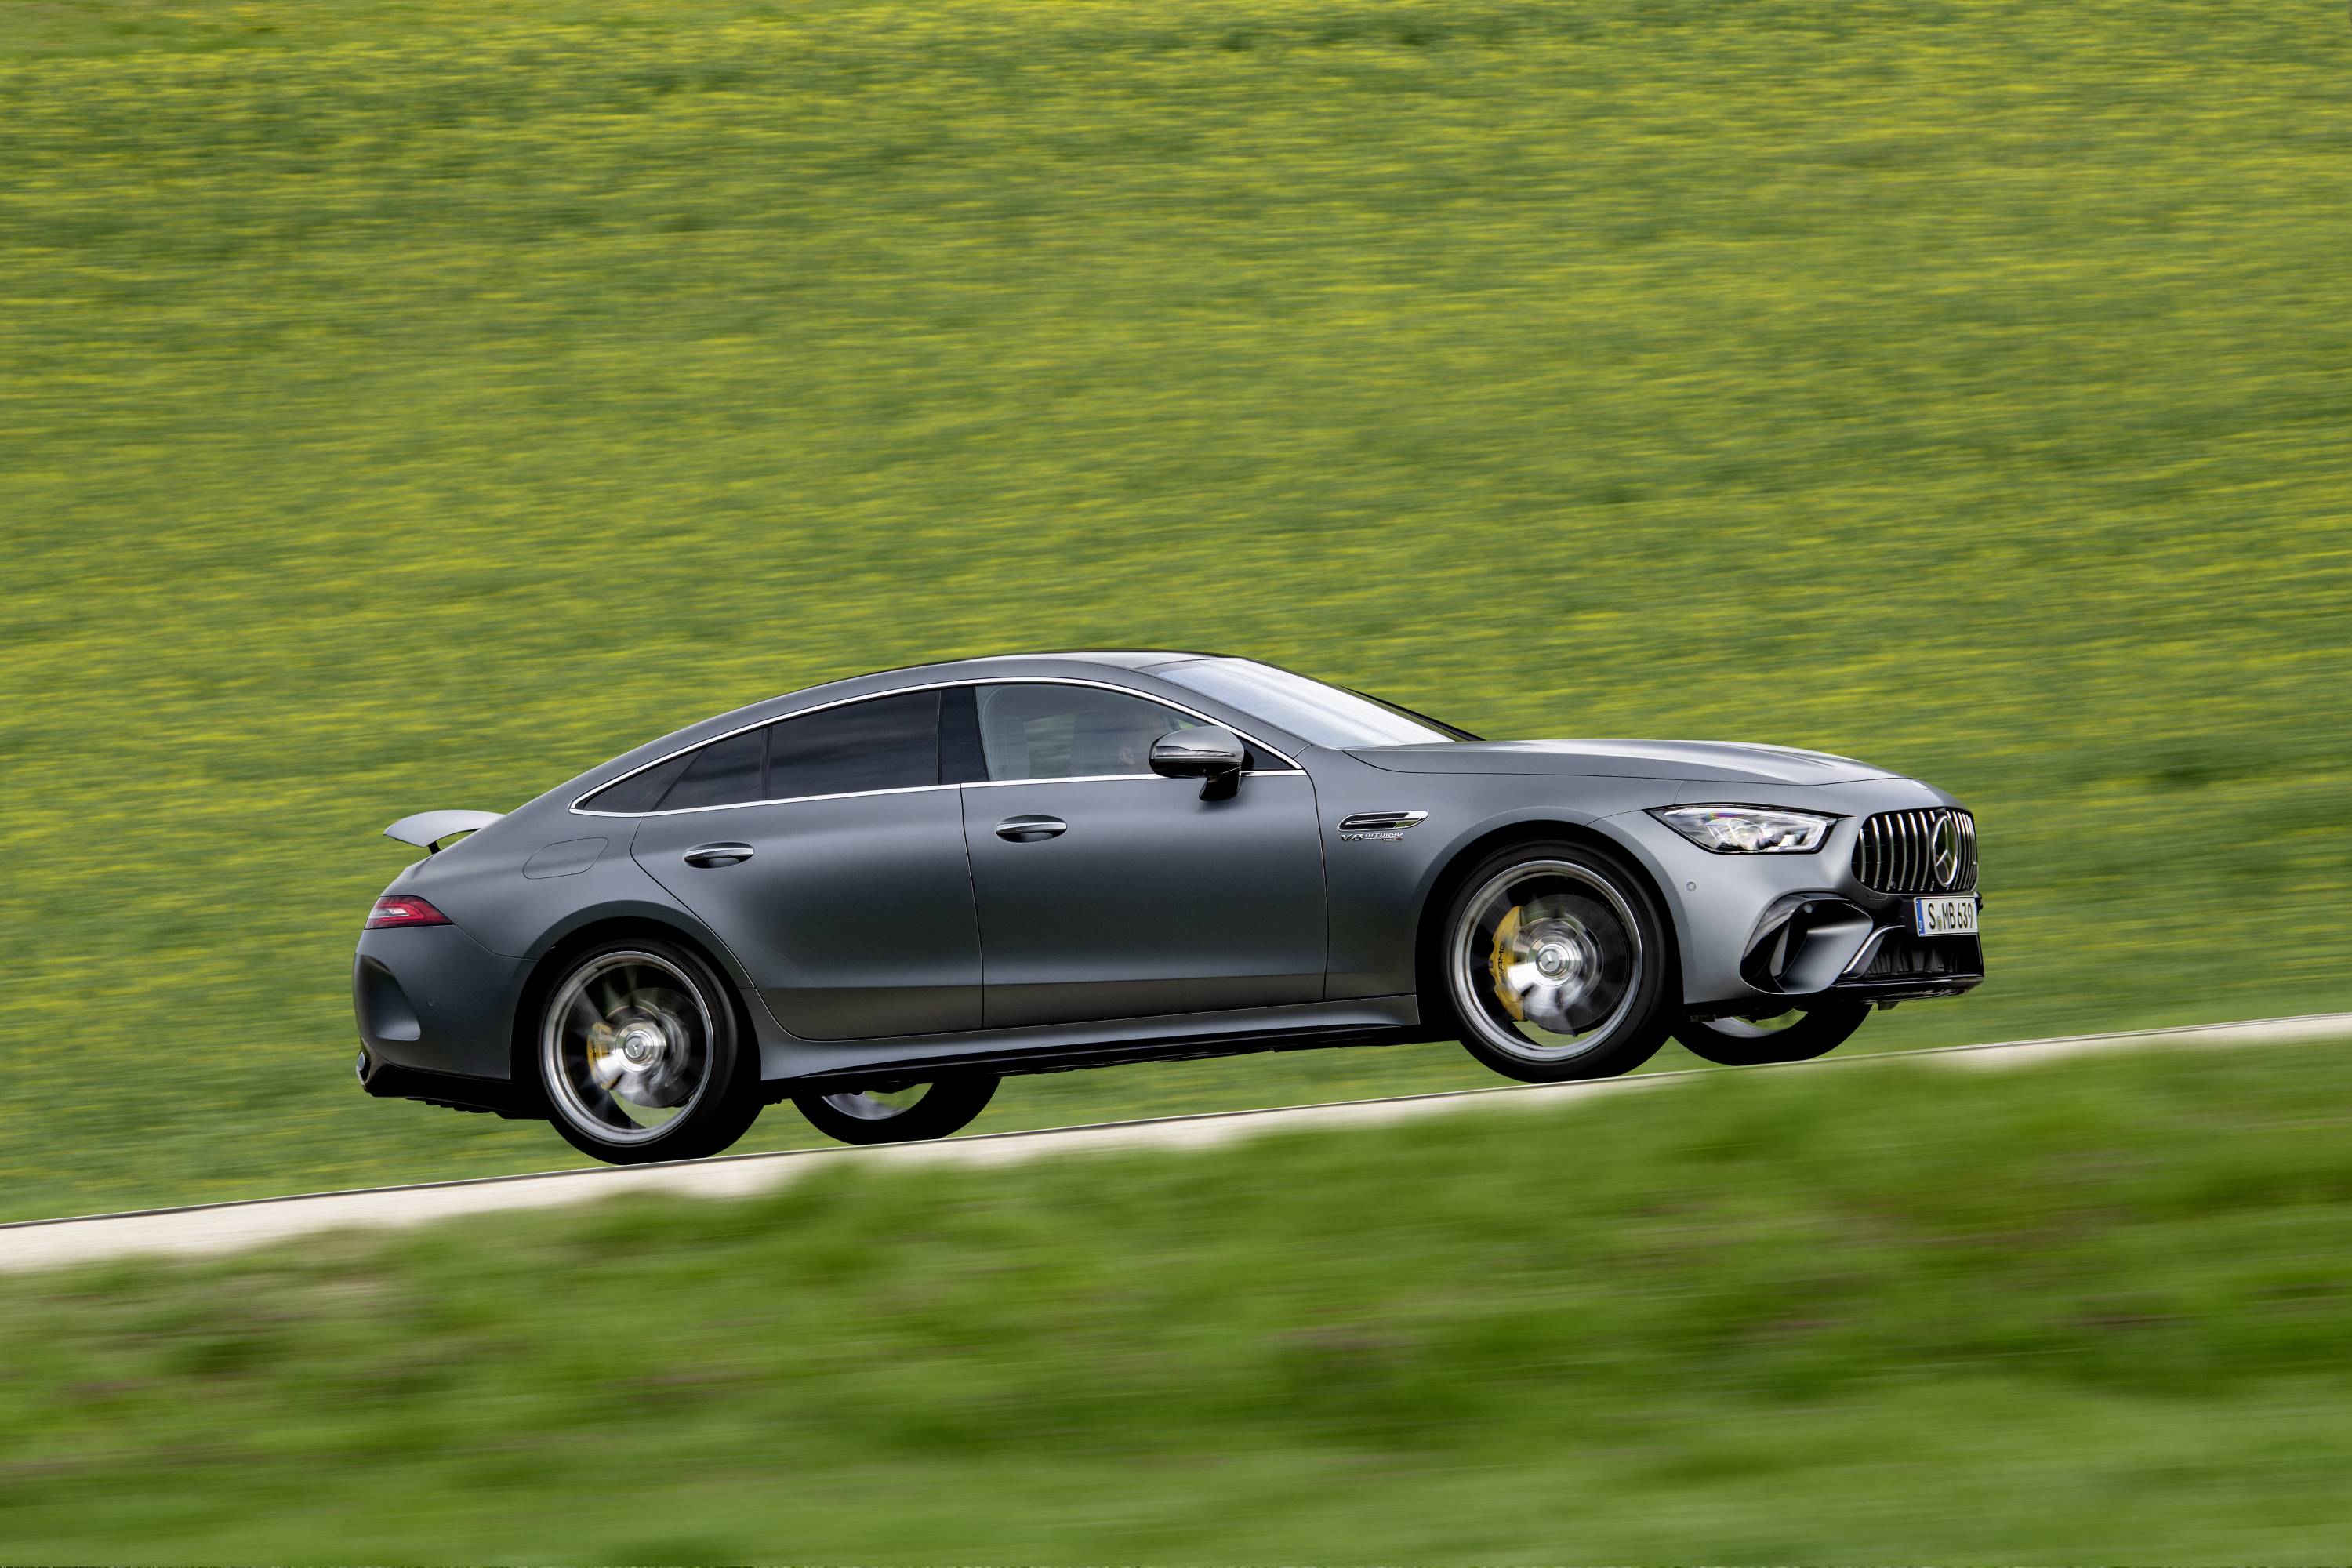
{"x":1768,"y":933}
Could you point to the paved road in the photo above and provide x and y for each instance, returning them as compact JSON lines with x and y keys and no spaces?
{"x":229,"y":1227}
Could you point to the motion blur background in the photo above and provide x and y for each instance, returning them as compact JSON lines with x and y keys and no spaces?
{"x":410,"y":405}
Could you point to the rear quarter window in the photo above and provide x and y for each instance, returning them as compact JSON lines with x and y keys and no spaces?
{"x":724,"y":772}
{"x":641,"y":791}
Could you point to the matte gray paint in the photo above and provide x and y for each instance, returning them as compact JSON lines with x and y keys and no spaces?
{"x":1392,"y":1016}
{"x":433,"y":997}
{"x":1712,"y":761}
{"x":1155,"y":917}
{"x":854,"y":918}
{"x":1155,"y":900}
{"x":568,"y":858}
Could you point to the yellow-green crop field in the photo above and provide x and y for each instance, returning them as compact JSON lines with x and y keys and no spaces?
{"x":409,"y":405}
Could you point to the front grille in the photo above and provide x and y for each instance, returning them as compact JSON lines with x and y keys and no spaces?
{"x":1896,"y":850}
{"x":1903,"y":956}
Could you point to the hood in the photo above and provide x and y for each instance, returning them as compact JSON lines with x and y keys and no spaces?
{"x":1705,"y":762}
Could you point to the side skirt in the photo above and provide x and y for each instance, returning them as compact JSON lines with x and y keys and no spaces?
{"x":790,"y":1067}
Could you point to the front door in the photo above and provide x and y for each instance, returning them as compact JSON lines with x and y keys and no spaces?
{"x":1106,"y":891}
{"x":853,"y":910}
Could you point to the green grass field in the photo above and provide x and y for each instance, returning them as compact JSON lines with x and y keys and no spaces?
{"x":410,"y":405}
{"x":2088,"y":1312}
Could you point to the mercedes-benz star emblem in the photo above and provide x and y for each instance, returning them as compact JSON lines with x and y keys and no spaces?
{"x":1947,"y":848}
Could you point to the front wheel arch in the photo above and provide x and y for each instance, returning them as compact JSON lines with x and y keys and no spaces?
{"x":1428,"y":982}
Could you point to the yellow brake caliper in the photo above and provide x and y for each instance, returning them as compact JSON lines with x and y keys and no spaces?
{"x":1497,"y":964}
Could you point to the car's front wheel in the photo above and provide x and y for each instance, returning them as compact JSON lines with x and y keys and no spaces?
{"x":1555,"y":964}
{"x":641,"y":1058}
{"x":1796,"y":1035}
{"x":898,"y":1112}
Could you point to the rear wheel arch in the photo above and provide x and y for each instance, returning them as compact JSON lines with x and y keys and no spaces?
{"x":551,"y":965}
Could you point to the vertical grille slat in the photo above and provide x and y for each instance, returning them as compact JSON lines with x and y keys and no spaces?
{"x":1894,"y":852}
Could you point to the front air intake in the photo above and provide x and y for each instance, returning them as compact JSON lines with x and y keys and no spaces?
{"x":1932,"y":851}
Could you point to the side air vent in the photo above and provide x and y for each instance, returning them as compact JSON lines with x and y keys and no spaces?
{"x":1382,"y":821}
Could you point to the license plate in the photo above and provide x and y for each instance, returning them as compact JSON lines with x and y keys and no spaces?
{"x":1944,"y":917}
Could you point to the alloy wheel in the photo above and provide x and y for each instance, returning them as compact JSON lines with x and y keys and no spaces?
{"x":628,"y":1046}
{"x":1546,"y":960}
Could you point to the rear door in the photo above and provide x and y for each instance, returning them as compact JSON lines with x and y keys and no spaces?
{"x":1106,"y":891}
{"x":826,"y":852}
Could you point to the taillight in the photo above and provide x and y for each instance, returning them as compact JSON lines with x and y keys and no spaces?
{"x":404,"y":910}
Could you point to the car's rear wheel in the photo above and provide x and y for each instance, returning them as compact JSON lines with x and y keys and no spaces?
{"x":898,"y":1112}
{"x":1794,"y":1036}
{"x":640,"y":1057}
{"x":1555,"y":964}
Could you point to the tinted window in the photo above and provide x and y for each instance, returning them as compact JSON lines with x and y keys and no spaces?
{"x":640,"y":790}
{"x":1069,"y":732}
{"x":1325,"y":715}
{"x":724,"y":772}
{"x":890,"y":742}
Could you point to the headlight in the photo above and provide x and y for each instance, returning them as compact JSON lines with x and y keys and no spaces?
{"x":1746,"y":829}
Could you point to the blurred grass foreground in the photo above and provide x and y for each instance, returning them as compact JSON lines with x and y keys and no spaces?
{"x":2093,"y":1312}
{"x":410,"y":405}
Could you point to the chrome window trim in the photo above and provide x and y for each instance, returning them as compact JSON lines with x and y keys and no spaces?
{"x":578,"y":810}
{"x":780,"y":800}
{"x":1118,"y":778}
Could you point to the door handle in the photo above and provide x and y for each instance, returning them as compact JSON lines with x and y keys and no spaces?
{"x":1031,"y":829}
{"x":718,"y":854}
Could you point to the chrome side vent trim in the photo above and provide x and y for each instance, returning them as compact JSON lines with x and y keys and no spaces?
{"x":1382,"y":821}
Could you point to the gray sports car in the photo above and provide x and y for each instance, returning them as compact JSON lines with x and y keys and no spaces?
{"x":878,"y":897}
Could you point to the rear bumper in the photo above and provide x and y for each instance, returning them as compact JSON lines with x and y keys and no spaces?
{"x":431,"y":999}
{"x":387,"y":1081}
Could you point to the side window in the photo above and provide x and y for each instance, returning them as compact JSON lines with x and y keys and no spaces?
{"x":640,"y":790}
{"x":724,"y":772}
{"x":1069,"y":732}
{"x":890,"y":742}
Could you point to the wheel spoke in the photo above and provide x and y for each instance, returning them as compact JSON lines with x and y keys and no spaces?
{"x":626,"y":1047}
{"x":1548,"y":960}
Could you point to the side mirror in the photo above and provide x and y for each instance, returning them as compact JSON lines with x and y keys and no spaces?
{"x":1208,"y":753}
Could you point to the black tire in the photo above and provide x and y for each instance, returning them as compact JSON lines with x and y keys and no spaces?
{"x":877,"y":1115}
{"x":1739,"y":1043}
{"x":1610,"y":935}
{"x":698,"y":1087}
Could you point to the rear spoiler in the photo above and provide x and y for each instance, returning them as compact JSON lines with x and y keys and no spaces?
{"x":426,"y":829}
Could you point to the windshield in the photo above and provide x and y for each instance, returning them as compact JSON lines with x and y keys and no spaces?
{"x":1324,"y":715}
